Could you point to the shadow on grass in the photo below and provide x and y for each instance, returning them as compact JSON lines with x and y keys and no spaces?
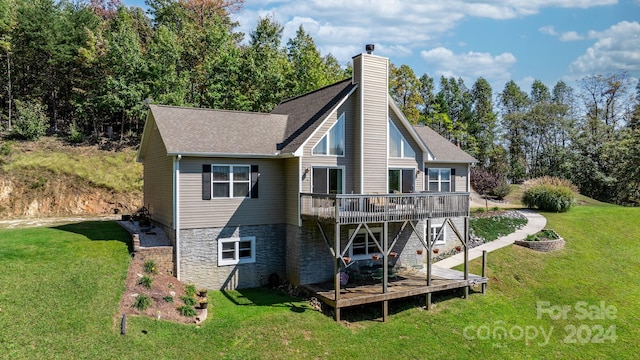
{"x":373,"y":311}
{"x":264,"y":297}
{"x":99,"y":231}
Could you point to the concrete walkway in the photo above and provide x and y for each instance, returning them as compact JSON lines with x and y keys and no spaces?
{"x":535,"y":223}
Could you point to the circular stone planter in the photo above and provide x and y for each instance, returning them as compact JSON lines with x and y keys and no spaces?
{"x":543,"y":245}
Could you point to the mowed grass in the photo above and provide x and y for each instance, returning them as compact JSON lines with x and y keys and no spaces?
{"x":76,"y":274}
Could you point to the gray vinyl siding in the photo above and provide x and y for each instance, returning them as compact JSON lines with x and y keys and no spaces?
{"x":292,"y":183}
{"x":158,"y":179}
{"x":403,"y":162}
{"x":347,"y":161}
{"x":461,"y":179}
{"x":268,"y":208}
{"x":374,"y":92}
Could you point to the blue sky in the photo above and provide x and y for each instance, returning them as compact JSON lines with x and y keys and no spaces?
{"x":501,"y":40}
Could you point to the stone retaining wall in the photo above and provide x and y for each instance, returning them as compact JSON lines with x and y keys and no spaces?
{"x":162,"y":255}
{"x":544,"y":245}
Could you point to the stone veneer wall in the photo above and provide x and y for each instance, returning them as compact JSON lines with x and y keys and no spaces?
{"x":309,"y":259}
{"x":199,"y":257}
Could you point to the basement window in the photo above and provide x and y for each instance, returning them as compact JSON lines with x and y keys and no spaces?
{"x":233,"y":251}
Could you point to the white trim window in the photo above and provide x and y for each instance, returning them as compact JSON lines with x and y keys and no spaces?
{"x":439,"y":180}
{"x":440,"y":240}
{"x":230,"y":181}
{"x":363,"y":245}
{"x":399,"y":146}
{"x":233,"y":251}
{"x":332,"y":143}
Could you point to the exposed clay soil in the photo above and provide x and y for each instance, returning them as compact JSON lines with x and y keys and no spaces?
{"x":163,"y":285}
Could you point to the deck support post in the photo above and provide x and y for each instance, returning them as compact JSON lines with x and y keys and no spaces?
{"x":429,"y":261}
{"x":336,"y":272}
{"x":385,"y":257}
{"x":484,"y":270}
{"x":385,"y":310}
{"x":466,"y":255}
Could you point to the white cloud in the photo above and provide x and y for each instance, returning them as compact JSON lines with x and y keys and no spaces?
{"x":571,"y":36}
{"x":615,"y":49}
{"x":397,"y":27}
{"x":471,"y":65}
{"x":548,"y":30}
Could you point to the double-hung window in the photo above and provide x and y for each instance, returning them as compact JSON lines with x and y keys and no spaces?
{"x":232,"y":251}
{"x":231,"y":181}
{"x":363,"y":245}
{"x":435,"y":229}
{"x":439,"y":180}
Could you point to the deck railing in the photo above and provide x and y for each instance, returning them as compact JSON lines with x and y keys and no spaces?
{"x":353,"y":209}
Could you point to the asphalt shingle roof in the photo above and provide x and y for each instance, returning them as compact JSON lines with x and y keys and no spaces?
{"x":306,"y":112}
{"x":441,"y":148}
{"x":206,"y":131}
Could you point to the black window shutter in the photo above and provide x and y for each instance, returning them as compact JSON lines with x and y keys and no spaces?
{"x":254,"y":181}
{"x":453,"y":180}
{"x":206,"y":181}
{"x":426,"y":179}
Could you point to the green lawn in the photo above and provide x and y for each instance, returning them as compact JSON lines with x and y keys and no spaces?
{"x":60,"y":287}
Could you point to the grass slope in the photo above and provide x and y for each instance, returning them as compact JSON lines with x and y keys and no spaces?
{"x":76,"y":273}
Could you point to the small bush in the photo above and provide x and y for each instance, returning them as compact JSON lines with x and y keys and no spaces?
{"x":549,"y":198}
{"x":480,"y":210}
{"x":75,"y":134}
{"x":150,"y":267}
{"x":145,"y":281}
{"x":31,"y":120}
{"x":5,"y":148}
{"x":186,"y":310}
{"x":142,"y":302}
{"x":545,"y":234}
{"x":551,"y":181}
{"x":501,"y":191}
{"x":188,"y":300}
{"x":168,"y":298}
{"x":190,"y":290}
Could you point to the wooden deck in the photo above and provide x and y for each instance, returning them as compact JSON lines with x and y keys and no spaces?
{"x":406,"y":284}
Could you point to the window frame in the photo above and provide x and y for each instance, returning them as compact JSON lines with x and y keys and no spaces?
{"x":401,"y":179}
{"x":403,"y":143}
{"x":230,"y":181}
{"x":435,"y":227}
{"x":368,"y":242}
{"x":328,"y":179}
{"x":237,"y":259}
{"x":326,"y":138}
{"x":439,"y":181}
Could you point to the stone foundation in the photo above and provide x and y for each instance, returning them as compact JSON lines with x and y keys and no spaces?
{"x":199,"y":257}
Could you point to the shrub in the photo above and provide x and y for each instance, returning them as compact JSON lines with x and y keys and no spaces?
{"x":168,"y":298}
{"x":548,"y":198}
{"x":546,"y":234}
{"x":188,"y":300}
{"x":186,"y":310}
{"x":150,"y":267}
{"x":190,"y":290}
{"x":501,"y":191}
{"x":75,"y":134}
{"x":142,"y":302}
{"x":550,"y":180}
{"x":31,"y":120}
{"x":145,"y":281}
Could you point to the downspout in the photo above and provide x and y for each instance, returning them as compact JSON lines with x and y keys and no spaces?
{"x":176,"y":209}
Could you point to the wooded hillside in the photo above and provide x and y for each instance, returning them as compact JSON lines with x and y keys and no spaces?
{"x":85,"y":70}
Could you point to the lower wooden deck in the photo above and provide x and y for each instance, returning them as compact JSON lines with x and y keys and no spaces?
{"x":405,"y":284}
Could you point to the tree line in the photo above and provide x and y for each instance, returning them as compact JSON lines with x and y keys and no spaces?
{"x":94,"y":65}
{"x":89,"y":68}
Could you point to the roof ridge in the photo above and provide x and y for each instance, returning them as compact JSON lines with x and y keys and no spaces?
{"x":210,"y":109}
{"x":314,"y":91}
